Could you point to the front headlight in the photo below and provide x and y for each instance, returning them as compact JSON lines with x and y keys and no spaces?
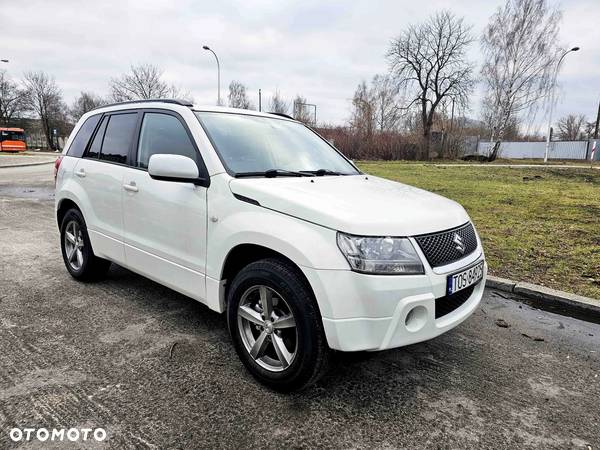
{"x":380,"y":255}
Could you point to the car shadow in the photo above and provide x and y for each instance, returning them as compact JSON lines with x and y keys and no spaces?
{"x":378,"y":381}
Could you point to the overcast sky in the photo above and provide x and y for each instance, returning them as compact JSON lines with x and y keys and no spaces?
{"x":320,"y":49}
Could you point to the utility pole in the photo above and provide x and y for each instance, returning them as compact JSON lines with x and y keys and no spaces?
{"x":451,"y":121}
{"x":259,"y":101}
{"x":446,"y":136}
{"x":452,"y":116}
{"x":597,"y":122}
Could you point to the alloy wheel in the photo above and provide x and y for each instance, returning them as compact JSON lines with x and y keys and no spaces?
{"x":267,"y":327}
{"x":74,"y":245}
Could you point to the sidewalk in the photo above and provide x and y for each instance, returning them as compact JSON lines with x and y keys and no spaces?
{"x":41,"y":152}
{"x":27,"y":159}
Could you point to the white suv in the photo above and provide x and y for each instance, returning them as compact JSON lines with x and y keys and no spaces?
{"x":256,"y":215}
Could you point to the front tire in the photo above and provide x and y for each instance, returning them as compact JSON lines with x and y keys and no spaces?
{"x":77,"y":251}
{"x":276,"y":326}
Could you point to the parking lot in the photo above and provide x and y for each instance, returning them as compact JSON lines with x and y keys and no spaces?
{"x":157,"y":370}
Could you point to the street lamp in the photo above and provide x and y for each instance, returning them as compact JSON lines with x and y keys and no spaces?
{"x":574,"y":49}
{"x":206,"y":47}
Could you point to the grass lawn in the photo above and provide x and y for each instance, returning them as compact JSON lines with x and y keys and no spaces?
{"x":537,"y":225}
{"x":501,"y":161}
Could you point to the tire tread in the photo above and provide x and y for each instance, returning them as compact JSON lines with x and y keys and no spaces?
{"x":94,"y":268}
{"x":318,"y":365}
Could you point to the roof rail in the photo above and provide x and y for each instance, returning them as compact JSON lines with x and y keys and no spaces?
{"x":150,"y":100}
{"x":282,"y":115}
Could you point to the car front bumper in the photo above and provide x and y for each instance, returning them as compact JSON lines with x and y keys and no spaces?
{"x":378,"y":312}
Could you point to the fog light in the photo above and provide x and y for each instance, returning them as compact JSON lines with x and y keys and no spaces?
{"x":416,"y":318}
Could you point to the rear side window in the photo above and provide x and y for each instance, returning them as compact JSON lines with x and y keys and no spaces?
{"x":163,"y":133}
{"x":94,"y":150}
{"x":118,"y":137}
{"x":83,"y":136}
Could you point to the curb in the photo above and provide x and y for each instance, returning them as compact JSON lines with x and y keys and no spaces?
{"x":42,"y":152}
{"x":26,"y":164}
{"x":546,"y":298}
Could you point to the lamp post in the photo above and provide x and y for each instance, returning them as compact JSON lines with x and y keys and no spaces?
{"x":574,"y":49}
{"x":206,"y":47}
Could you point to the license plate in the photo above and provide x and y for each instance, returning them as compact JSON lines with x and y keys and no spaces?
{"x":465,"y":278}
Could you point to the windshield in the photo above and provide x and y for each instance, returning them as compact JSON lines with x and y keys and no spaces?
{"x":251,"y":144}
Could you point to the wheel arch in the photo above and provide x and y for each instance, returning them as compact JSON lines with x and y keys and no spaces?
{"x":243,"y":254}
{"x":64,"y":205}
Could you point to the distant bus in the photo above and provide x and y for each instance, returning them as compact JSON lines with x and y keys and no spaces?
{"x":12,"y":140}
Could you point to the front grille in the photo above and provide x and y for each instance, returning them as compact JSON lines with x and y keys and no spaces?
{"x":441,"y":249}
{"x":445,"y":305}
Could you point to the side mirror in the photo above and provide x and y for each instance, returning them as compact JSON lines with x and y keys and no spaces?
{"x":168,"y":167}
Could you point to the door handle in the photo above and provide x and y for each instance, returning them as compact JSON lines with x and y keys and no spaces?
{"x":80,"y":173}
{"x":131,"y":187}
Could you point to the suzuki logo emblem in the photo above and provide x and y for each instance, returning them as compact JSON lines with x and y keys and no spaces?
{"x":460,"y":246}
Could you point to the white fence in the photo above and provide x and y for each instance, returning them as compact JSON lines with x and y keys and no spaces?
{"x":536,"y":150}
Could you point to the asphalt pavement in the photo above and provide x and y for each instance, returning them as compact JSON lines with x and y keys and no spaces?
{"x":157,"y":370}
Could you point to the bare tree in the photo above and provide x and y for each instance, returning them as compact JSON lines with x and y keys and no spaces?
{"x":44,"y":98}
{"x":519,"y":45}
{"x":571,"y":127}
{"x":278,"y":104}
{"x":143,"y":82}
{"x":238,"y":98}
{"x":12,"y":99}
{"x":301,"y":112}
{"x":589,"y":129}
{"x":362,"y":119}
{"x":85,"y":103}
{"x":384,"y":96}
{"x":429,"y":61}
{"x":511,"y":129}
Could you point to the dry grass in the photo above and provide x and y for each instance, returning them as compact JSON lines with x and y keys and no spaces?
{"x":537,"y":225}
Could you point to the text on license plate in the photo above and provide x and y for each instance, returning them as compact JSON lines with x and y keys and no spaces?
{"x":464,"y":279}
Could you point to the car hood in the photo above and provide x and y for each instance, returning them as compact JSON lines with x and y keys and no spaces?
{"x":356,"y":204}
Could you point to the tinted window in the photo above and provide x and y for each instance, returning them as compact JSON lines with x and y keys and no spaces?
{"x":94,"y":149}
{"x":83,"y":136}
{"x":118,"y":137}
{"x":163,"y":133}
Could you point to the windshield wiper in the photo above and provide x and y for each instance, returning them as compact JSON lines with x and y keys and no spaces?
{"x":322,"y":172}
{"x":272,"y":173}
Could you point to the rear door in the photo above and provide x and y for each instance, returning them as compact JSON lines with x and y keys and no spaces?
{"x":165,"y":221}
{"x":101,"y":172}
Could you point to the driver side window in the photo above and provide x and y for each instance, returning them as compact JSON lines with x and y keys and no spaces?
{"x":160,"y":134}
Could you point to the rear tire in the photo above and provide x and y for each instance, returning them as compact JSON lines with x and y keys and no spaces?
{"x":284,"y":346}
{"x":77,"y":251}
